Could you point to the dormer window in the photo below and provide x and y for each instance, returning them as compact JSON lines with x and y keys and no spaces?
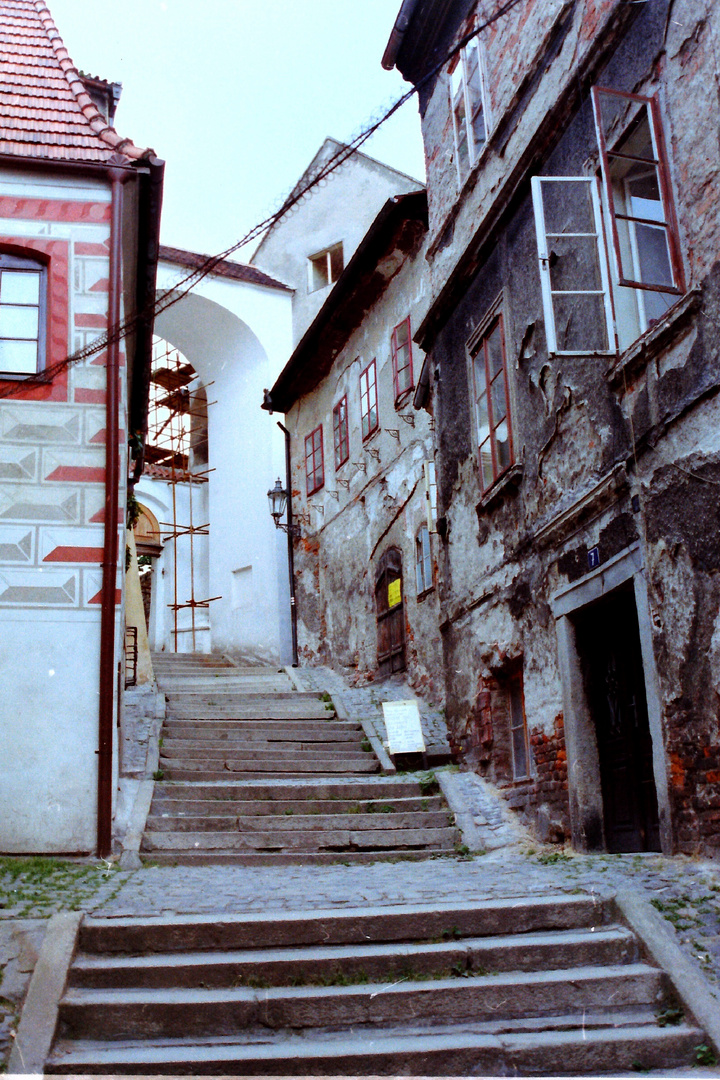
{"x":325,"y":267}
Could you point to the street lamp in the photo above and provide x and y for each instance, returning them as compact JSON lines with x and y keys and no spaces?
{"x":277,"y":498}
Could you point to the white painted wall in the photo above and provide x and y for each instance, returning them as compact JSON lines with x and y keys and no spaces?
{"x":237,"y":336}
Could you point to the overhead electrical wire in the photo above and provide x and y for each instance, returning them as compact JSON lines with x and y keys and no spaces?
{"x":187,"y":283}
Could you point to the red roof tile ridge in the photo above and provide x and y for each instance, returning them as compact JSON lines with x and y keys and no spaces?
{"x":94,"y":118}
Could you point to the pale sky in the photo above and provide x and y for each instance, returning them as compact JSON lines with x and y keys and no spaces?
{"x":238,"y":95}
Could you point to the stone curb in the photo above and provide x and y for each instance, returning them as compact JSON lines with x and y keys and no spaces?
{"x":659,"y":944}
{"x":40,"y":1012}
{"x":295,"y":679}
{"x":342,"y":713}
{"x":130,"y":857}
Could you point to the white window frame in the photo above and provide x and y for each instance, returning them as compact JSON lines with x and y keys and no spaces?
{"x":423,"y":561}
{"x":430,"y":495}
{"x":463,"y":65}
{"x":326,"y":255}
{"x":544,"y":260}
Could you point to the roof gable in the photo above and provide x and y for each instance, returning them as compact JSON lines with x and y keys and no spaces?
{"x":45,"y":110}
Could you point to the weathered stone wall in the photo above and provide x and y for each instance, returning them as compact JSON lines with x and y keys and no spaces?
{"x":375,"y":500}
{"x":614,"y":454}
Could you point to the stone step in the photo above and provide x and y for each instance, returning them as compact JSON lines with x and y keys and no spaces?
{"x":164,"y":803}
{"x":583,"y":1047}
{"x":188,"y":749}
{"x":199,"y":1012}
{"x":341,"y":964}
{"x":319,"y":839}
{"x":181,"y":769}
{"x":327,"y":789}
{"x":297,"y":822}
{"x":260,"y":709}
{"x":280,"y":859}
{"x":246,"y":738}
{"x":349,"y":926}
{"x":250,"y":729}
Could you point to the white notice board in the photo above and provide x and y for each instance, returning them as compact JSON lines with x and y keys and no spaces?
{"x":402,"y":723}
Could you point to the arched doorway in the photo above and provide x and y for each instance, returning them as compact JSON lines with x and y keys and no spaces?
{"x":148,"y":544}
{"x":390,"y":612}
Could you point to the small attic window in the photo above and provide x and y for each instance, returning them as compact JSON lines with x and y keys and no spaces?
{"x":325,"y":267}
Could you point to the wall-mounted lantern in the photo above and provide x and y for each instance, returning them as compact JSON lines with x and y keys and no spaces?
{"x":277,"y":498}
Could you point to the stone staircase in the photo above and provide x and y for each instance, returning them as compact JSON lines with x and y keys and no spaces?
{"x":552,"y":985}
{"x":253,"y":771}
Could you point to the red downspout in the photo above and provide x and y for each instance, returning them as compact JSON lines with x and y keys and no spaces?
{"x":111,"y":545}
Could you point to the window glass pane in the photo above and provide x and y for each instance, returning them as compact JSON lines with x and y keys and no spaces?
{"x":574,"y":263}
{"x":336,"y":262}
{"x":494,"y":351}
{"x":499,"y":410}
{"x":318,"y":272}
{"x":580,"y":324}
{"x":502,"y":446}
{"x":567,"y":208}
{"x":19,"y":288}
{"x":18,"y":356}
{"x":401,"y":335}
{"x":486,"y":465}
{"x":477,"y":120}
{"x":18,"y":322}
{"x":519,"y":753}
{"x":653,"y":255}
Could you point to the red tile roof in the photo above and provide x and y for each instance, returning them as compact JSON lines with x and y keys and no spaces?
{"x":221,"y":267}
{"x":45,"y":111}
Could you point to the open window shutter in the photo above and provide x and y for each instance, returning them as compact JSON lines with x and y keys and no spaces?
{"x":644,"y":162}
{"x":573,"y":266}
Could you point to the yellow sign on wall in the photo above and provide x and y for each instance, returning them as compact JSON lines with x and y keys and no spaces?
{"x":394,"y":593}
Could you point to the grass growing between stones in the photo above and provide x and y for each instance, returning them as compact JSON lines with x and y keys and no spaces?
{"x":39,"y":885}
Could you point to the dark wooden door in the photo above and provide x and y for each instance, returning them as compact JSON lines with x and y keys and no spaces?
{"x":608,"y":642}
{"x":390,"y":612}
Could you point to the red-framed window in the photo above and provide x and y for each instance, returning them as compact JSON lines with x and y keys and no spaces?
{"x":492,"y":402}
{"x":341,"y":437}
{"x":401,"y":352}
{"x":314,"y":465}
{"x":644,"y":237}
{"x":368,"y":400}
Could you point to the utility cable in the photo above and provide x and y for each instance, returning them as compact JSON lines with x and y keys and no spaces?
{"x":187,"y":283}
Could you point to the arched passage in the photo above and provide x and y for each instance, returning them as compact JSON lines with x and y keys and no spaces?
{"x":246,"y":557}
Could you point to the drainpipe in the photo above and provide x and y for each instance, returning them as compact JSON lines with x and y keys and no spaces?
{"x":291,"y":554}
{"x":111,"y":545}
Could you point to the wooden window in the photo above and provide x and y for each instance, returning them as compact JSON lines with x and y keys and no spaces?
{"x":401,"y":351}
{"x":469,"y":107}
{"x":368,"y":401}
{"x":341,"y":438}
{"x":423,"y":561}
{"x":643,"y":232}
{"x":22,"y":315}
{"x":325,"y":267}
{"x":314,"y":466}
{"x":518,"y":727}
{"x":492,"y":402}
{"x":573,"y":265}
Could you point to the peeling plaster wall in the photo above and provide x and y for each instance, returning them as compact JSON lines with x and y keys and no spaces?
{"x":373,"y":501}
{"x":613,"y":453}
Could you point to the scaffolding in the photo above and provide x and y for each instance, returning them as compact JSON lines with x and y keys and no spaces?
{"x":177,"y":452}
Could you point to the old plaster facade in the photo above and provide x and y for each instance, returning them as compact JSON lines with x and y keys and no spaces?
{"x":573,"y":330}
{"x":362,"y":465}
